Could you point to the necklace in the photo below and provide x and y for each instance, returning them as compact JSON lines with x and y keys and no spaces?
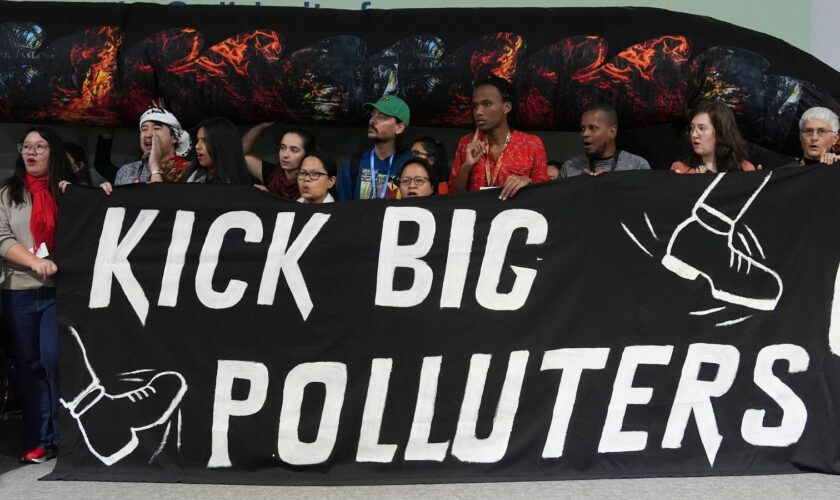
{"x":703,"y":169}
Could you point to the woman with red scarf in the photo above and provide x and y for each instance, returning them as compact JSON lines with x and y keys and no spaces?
{"x":27,"y":238}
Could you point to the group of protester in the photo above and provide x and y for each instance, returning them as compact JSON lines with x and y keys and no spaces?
{"x":494,"y":155}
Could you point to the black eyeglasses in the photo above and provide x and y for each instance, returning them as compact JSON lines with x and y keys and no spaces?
{"x":310,"y":175}
{"x":418,"y":181}
{"x":419,"y":154}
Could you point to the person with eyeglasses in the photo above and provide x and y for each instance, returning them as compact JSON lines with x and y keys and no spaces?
{"x":434,"y":152}
{"x":818,"y":133}
{"x":279,"y":178}
{"x":28,"y":213}
{"x":418,"y":178}
{"x":316,"y":179}
{"x":715,"y":142}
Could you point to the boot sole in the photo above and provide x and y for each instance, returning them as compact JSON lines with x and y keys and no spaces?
{"x":689,"y":272}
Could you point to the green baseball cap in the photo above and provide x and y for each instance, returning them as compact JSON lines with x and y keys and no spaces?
{"x":391,"y":105}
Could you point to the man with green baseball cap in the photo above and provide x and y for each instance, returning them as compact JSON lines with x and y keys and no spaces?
{"x":391,"y":105}
{"x":368,"y":175}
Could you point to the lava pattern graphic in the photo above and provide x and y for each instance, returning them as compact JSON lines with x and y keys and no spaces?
{"x":89,"y":77}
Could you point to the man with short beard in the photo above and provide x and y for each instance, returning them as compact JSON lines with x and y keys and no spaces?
{"x":598,"y":130}
{"x":369,"y":175}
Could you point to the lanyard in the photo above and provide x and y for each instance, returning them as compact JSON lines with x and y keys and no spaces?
{"x":489,"y":175}
{"x":491,"y":181}
{"x":373,"y":174}
{"x":144,"y":165}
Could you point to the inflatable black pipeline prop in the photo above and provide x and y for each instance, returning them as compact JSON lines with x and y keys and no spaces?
{"x":101,"y":64}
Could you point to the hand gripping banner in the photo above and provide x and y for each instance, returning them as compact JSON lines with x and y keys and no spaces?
{"x":635,"y":324}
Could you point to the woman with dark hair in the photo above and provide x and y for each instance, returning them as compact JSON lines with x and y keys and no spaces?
{"x":78,"y":163}
{"x":316,"y":178}
{"x":28,"y":213}
{"x":219,"y":155}
{"x":281,"y":178}
{"x":434,"y":152}
{"x":715,"y":142}
{"x":417,"y":178}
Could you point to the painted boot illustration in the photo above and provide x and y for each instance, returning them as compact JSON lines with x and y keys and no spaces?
{"x":109,"y":422}
{"x":702,"y":245}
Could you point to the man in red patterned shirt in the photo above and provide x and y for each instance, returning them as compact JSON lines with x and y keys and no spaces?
{"x":496,"y":155}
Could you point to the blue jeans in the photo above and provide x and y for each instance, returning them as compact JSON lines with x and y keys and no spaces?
{"x":33,"y":326}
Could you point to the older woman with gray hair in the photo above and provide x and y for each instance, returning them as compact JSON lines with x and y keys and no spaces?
{"x":818,"y":129}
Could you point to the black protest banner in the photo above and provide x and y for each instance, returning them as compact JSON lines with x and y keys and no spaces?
{"x":634,"y":324}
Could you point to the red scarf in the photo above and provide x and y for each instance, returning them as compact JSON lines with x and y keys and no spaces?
{"x":282,"y":185}
{"x":44,"y":212}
